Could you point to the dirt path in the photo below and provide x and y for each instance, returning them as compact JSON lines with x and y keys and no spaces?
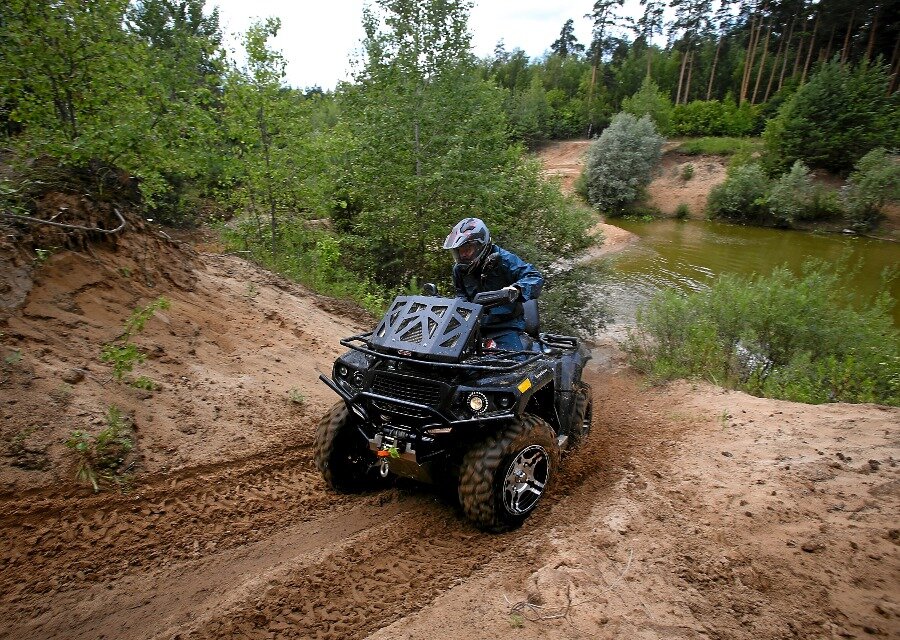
{"x":689,"y":513}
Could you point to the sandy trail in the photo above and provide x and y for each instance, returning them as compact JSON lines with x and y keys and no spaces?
{"x":690,"y":512}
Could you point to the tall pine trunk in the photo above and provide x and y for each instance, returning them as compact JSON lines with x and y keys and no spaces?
{"x":762,"y":63}
{"x":681,"y":77}
{"x":827,"y":55}
{"x":775,"y":62}
{"x":748,"y":60}
{"x":687,"y":85}
{"x":812,"y":42}
{"x":845,"y":50}
{"x":712,"y":72}
{"x":871,"y":46}
{"x":799,"y":56}
{"x":787,"y":51}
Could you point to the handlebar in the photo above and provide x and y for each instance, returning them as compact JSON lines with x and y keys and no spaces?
{"x":496,"y":298}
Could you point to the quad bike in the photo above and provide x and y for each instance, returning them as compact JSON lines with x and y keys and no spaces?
{"x":424,"y":396}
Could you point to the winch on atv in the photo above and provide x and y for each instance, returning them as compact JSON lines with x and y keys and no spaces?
{"x":424,"y":397}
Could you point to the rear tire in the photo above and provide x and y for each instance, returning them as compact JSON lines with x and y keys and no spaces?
{"x":503,"y":478}
{"x":342,"y":452}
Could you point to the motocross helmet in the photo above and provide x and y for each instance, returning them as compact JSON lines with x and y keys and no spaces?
{"x":470,"y":242}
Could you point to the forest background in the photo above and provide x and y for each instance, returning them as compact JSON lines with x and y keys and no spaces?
{"x":352,"y":191}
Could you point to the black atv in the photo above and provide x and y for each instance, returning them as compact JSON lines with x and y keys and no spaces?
{"x":424,"y":396}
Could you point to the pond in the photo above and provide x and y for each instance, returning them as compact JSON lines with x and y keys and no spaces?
{"x":689,"y":254}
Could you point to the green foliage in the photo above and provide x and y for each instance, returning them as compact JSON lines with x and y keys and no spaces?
{"x":687,"y":171}
{"x":101,"y":458}
{"x":138,"y":318}
{"x":832,"y":121}
{"x":621,"y":162}
{"x":14,"y":357}
{"x":122,"y":358}
{"x":311,"y":256}
{"x":428,"y":146}
{"x":143,"y":382}
{"x":790,"y":196}
{"x":741,"y":196}
{"x":682,"y":211}
{"x":874,"y":182}
{"x":720,"y":146}
{"x":806,"y":338}
{"x":128,"y":113}
{"x":123,"y":354}
{"x":572,"y":302}
{"x":650,"y":101}
{"x":713,"y":118}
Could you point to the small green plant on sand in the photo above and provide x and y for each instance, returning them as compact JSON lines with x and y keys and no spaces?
{"x":101,"y":457}
{"x":42,"y":255}
{"x":143,"y":382}
{"x":687,"y":171}
{"x":682,"y":211}
{"x":296,"y":396}
{"x":123,"y":354}
{"x":14,"y":357}
{"x":122,"y":358}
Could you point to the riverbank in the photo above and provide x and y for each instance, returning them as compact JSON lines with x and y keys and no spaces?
{"x":686,"y":180}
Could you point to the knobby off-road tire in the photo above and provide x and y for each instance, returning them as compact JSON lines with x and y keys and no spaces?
{"x":583,"y":415}
{"x":342,"y":453}
{"x":527,"y":445}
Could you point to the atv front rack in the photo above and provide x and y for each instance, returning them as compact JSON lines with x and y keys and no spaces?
{"x":506,"y":360}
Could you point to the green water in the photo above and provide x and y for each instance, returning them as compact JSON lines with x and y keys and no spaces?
{"x":688,"y":255}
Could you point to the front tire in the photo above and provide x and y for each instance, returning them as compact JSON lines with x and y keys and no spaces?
{"x":342,"y":452}
{"x":503,"y":478}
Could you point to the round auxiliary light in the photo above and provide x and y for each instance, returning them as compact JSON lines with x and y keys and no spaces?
{"x":477,"y":402}
{"x":358,"y":378}
{"x":342,"y":371}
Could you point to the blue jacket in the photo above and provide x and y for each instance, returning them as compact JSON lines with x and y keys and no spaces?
{"x":500,"y":268}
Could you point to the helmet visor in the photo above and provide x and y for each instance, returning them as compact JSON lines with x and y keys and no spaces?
{"x":467,"y":252}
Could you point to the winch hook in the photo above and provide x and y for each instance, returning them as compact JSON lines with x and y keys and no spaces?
{"x":385,"y":468}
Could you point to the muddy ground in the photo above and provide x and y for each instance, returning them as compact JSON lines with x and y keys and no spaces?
{"x":690,"y":512}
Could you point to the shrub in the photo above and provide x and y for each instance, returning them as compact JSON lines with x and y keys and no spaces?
{"x":791,"y":195}
{"x":687,"y":172}
{"x":682,"y":211}
{"x":804,"y":338}
{"x":650,"y":101}
{"x":874,"y":183}
{"x":621,"y":161}
{"x":833,"y":120}
{"x":742,"y":195}
{"x":101,"y":457}
{"x":713,"y":118}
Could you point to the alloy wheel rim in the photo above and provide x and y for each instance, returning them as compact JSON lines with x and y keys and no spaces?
{"x":525,"y":480}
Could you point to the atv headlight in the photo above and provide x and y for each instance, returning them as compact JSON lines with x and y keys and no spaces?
{"x":477,"y":402}
{"x":342,"y":371}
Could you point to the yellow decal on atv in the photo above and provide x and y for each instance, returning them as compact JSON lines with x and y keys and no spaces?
{"x":525,"y":385}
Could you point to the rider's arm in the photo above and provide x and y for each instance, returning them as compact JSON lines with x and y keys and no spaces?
{"x":524,"y":276}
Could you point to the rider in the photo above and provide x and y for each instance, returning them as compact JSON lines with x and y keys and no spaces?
{"x":483,"y":266}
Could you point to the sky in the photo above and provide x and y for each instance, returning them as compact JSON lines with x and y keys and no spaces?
{"x":318,"y":39}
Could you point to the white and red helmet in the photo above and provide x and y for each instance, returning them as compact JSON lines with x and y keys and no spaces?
{"x":470,"y":242}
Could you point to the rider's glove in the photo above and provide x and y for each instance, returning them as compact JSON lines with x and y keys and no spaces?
{"x":513,"y":293}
